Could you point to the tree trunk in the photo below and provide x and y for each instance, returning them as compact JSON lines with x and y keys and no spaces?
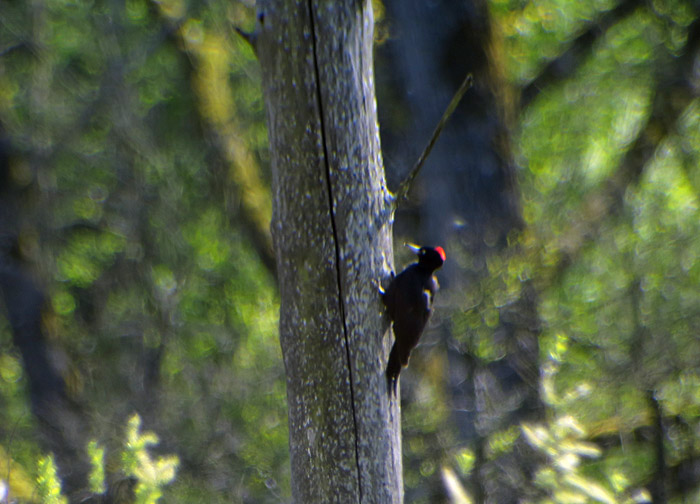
{"x":332,"y":238}
{"x":61,"y":425}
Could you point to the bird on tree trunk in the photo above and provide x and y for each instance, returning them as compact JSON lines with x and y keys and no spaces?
{"x":409,"y":301}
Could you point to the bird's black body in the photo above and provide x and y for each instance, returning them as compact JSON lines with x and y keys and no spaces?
{"x":409,"y":301}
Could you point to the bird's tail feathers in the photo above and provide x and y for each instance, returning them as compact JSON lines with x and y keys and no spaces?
{"x":393,"y":368}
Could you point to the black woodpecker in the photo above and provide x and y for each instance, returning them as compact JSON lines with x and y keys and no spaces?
{"x":409,"y":301}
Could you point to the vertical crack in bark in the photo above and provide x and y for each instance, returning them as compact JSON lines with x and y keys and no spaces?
{"x":341,"y":300}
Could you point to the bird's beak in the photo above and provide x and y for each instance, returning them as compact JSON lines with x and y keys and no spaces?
{"x":414,"y":248}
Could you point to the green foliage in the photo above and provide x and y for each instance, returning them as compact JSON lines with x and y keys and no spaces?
{"x":18,"y":450}
{"x":151,"y":474}
{"x":96,"y":454}
{"x":148,"y":118}
{"x":48,"y":484}
{"x":564,"y":477}
{"x":609,"y":184}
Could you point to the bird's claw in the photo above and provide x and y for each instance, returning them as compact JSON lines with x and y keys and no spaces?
{"x":378,"y":285}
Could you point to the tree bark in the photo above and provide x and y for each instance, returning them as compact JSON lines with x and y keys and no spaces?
{"x":332,"y":237}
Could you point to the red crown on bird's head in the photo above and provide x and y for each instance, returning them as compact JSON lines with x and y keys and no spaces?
{"x":441,"y":251}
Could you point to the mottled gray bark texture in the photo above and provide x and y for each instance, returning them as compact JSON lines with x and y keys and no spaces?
{"x":332,"y":240}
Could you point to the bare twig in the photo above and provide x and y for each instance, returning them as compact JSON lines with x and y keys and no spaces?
{"x":405,"y":186}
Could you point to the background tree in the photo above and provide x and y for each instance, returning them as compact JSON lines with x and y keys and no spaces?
{"x":129,"y":217}
{"x":468,"y":199}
